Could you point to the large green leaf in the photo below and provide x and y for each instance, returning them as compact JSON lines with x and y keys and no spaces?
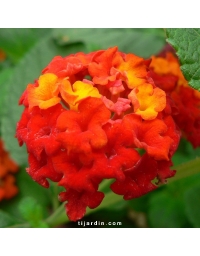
{"x":4,"y":75}
{"x":186,"y":42}
{"x":192,"y":202}
{"x":169,"y":205}
{"x":6,"y":219}
{"x":185,"y":152}
{"x":142,"y":42}
{"x":28,"y":69}
{"x":139,"y":204}
{"x":166,"y":211}
{"x":17,"y":41}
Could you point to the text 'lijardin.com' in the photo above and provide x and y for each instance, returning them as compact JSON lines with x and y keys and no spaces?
{"x":99,"y":223}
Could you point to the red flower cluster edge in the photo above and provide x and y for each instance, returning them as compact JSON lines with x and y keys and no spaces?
{"x":102,"y":115}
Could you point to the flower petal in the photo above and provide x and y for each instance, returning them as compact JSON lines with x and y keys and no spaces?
{"x":147,"y":101}
{"x":81,"y":131}
{"x":46,"y":94}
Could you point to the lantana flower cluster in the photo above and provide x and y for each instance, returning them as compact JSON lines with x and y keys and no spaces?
{"x":166,"y":73}
{"x":8,"y":168}
{"x":98,"y":116}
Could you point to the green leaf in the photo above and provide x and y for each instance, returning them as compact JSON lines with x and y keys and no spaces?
{"x":32,"y":212}
{"x":140,"y":204}
{"x":167,"y":205}
{"x":28,"y":69}
{"x":6,"y":219}
{"x":30,"y":209}
{"x":180,"y":186}
{"x":186,"y":42}
{"x":166,"y":211}
{"x":5,"y":64}
{"x":17,"y":41}
{"x":192,"y":202}
{"x":4,"y":75}
{"x":185,"y":152}
{"x":142,"y":42}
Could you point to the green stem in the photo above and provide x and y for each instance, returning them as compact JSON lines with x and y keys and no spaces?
{"x":186,"y":169}
{"x":110,"y":199}
{"x":22,"y":225}
{"x":55,"y":202}
{"x":59,"y":217}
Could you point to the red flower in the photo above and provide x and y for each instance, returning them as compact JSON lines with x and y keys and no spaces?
{"x":87,"y":118}
{"x":83,"y":129}
{"x":167,"y":74}
{"x":8,"y":167}
{"x":138,"y":180}
{"x":2,"y":55}
{"x":78,"y":201}
{"x":38,"y":130}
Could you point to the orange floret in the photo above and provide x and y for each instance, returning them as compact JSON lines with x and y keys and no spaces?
{"x":46,"y":94}
{"x":8,"y":188}
{"x":147,"y":101}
